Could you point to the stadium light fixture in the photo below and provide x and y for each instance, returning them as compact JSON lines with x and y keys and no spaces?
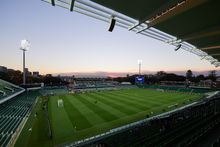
{"x":25,"y":45}
{"x":139,"y":61}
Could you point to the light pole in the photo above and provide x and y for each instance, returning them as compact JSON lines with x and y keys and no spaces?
{"x":25,"y":45}
{"x":139,"y":63}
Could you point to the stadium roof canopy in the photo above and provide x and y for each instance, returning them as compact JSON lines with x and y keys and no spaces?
{"x":192,"y":25}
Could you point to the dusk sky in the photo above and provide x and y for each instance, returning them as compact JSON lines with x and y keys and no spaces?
{"x":64,"y":41}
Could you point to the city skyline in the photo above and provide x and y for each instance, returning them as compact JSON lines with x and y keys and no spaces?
{"x":65,"y":42}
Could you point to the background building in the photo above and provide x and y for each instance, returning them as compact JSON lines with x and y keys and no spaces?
{"x":36,"y":74}
{"x":3,"y":69}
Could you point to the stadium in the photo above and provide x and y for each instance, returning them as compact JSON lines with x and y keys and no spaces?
{"x":164,"y":109}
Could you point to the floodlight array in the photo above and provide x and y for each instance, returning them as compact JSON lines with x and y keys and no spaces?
{"x":102,"y":13}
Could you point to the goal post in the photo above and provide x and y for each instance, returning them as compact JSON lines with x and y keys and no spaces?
{"x":60,"y":103}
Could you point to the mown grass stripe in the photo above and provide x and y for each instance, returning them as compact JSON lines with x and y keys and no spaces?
{"x":58,"y":115}
{"x":160,"y":98}
{"x":144,"y":92}
{"x":107,"y":116}
{"x":114,"y":104}
{"x":92,"y":117}
{"x":108,"y":108}
{"x":125,"y":100}
{"x":168,"y":98}
{"x":78,"y":120}
{"x":138,"y":99}
{"x":155,"y":100}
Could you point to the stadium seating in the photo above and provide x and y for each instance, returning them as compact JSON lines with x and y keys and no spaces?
{"x":52,"y":90}
{"x":86,"y":83}
{"x":12,"y":112}
{"x":8,"y":90}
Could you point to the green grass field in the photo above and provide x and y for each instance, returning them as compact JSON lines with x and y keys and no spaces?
{"x":89,"y":114}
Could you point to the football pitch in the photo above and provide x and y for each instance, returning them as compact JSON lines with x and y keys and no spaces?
{"x":88,"y":114}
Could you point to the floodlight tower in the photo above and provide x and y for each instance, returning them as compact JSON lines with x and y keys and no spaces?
{"x":25,"y":45}
{"x":139,"y":64}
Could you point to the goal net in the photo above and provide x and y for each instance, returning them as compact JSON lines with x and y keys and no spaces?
{"x":60,"y":103}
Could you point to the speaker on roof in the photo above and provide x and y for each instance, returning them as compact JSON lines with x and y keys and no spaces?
{"x":53,"y":2}
{"x":72,"y":5}
{"x":112,"y":24}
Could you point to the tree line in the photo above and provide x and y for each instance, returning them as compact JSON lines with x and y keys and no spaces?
{"x":15,"y":76}
{"x":164,"y":76}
